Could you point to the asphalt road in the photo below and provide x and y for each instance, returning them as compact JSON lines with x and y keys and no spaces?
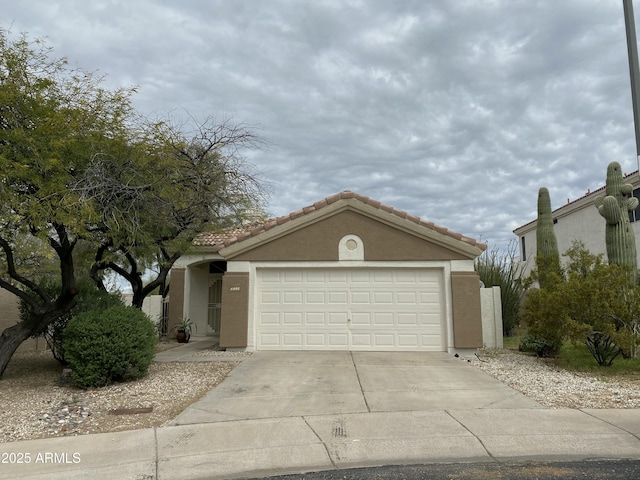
{"x":585,"y":470}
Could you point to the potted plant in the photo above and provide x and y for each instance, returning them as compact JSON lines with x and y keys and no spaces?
{"x":183,"y":330}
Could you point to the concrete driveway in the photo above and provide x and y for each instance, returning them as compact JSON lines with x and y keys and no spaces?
{"x":292,"y":384}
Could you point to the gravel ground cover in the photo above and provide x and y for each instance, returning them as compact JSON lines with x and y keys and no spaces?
{"x":35,"y":405}
{"x":553,"y":387}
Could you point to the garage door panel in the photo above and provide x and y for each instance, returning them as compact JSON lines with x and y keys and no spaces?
{"x":357,"y":309}
{"x":361,"y":297}
{"x":270,"y":298}
{"x":292,"y":318}
{"x":292,"y":340}
{"x":380,"y":298}
{"x":315,"y":318}
{"x":338,"y":341}
{"x":408,"y":298}
{"x":292,"y":276}
{"x":270,"y":318}
{"x":432,"y":319}
{"x":339,"y":298}
{"x":315,"y":297}
{"x":293,"y":297}
{"x":270,"y":340}
{"x":408,"y":340}
{"x":338,"y":318}
{"x":336,"y":276}
{"x":382,"y":276}
{"x":409,"y":319}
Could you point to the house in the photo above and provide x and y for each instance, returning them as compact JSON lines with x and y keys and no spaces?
{"x":577,"y":220}
{"x":346,"y":273}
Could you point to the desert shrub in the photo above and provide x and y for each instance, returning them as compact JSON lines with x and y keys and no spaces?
{"x":546,"y":322}
{"x":501,"y":269}
{"x":602,"y":348}
{"x":88,"y":298}
{"x":112,"y":345}
{"x":591,"y":297}
{"x":539,"y":346}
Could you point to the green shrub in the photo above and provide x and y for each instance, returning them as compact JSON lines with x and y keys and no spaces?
{"x":113,"y":345}
{"x":602,"y":348}
{"x":540,"y":346}
{"x":591,"y":296}
{"x":88,"y":298}
{"x":546,"y":319}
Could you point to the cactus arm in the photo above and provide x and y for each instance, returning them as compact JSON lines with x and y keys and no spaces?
{"x":610,"y":210}
{"x":598,"y":202}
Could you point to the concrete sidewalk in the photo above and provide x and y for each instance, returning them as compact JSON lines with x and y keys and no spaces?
{"x":312,"y":420}
{"x":260,"y":447}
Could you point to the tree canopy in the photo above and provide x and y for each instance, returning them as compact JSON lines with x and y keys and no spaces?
{"x":77,"y":163}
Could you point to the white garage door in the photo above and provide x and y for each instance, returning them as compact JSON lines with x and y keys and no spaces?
{"x":349,"y":309}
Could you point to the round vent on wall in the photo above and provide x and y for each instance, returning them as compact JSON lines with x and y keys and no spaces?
{"x":351,"y":248}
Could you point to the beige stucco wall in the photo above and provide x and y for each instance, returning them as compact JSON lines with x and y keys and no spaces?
{"x":466,"y":309}
{"x":234,"y":325}
{"x":176,"y":298}
{"x":10,"y":315}
{"x":319,"y":242}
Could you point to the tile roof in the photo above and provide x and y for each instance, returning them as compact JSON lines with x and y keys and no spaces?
{"x":230,"y":236}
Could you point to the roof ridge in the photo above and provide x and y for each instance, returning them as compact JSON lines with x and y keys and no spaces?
{"x":226,"y":238}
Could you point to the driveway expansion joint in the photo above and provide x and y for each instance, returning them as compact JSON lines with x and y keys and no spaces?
{"x":364,"y":396}
{"x":474,"y":436}
{"x":326,"y":447}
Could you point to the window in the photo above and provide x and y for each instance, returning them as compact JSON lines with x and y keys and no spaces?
{"x":634,"y":215}
{"x":523,"y":249}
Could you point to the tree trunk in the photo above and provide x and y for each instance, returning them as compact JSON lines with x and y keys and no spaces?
{"x":10,"y":339}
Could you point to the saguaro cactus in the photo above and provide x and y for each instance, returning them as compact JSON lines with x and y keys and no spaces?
{"x":614,"y":207}
{"x":547,"y":256}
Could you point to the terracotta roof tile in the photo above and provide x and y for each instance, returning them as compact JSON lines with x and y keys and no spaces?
{"x":225,"y":238}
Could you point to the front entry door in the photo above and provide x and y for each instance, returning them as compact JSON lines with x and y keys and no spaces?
{"x":215,"y":304}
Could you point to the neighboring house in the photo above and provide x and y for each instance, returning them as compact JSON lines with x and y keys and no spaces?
{"x":346,"y":273}
{"x":577,"y":220}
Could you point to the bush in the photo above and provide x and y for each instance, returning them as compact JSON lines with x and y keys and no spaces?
{"x":113,"y":345}
{"x":591,"y":297}
{"x":88,"y":298}
{"x":602,"y":348}
{"x":539,"y":346}
{"x":545,"y":316}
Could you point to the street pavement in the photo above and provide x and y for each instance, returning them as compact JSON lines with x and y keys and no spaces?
{"x":293,"y":412}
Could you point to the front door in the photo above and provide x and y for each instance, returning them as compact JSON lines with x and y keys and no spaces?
{"x":215,"y":304}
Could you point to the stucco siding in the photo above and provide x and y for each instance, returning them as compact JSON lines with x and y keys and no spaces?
{"x":581,"y":224}
{"x":319,"y":242}
{"x":466,"y":308}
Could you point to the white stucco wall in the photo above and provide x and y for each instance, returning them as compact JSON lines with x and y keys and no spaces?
{"x":492,"y":330}
{"x":580,"y":221}
{"x":151,"y":305}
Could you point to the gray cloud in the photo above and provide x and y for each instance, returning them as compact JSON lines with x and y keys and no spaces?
{"x":454,"y":111}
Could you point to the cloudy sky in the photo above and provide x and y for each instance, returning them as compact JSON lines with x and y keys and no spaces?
{"x":454,"y":110}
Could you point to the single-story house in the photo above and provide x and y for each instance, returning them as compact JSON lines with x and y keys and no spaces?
{"x":577,"y":220}
{"x":346,"y":273}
